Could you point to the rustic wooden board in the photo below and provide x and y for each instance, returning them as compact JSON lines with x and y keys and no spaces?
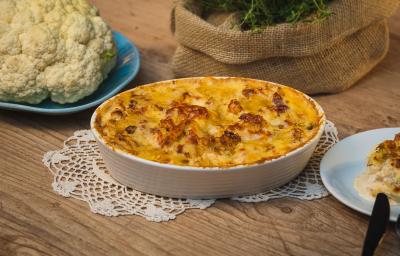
{"x":36,"y":221}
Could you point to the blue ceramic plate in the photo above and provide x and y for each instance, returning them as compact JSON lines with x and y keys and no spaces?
{"x":128,"y":63}
{"x":346,"y":160}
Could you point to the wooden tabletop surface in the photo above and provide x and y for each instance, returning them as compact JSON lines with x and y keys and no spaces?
{"x":36,"y":221}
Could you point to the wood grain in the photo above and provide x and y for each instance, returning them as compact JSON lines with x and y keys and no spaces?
{"x":36,"y":221}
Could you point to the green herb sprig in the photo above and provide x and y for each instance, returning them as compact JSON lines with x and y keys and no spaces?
{"x":256,"y":14}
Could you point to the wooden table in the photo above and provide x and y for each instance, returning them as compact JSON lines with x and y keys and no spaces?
{"x":36,"y":221}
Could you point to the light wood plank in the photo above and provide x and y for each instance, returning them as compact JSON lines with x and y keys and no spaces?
{"x":36,"y":221}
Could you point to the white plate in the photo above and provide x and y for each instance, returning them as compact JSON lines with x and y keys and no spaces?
{"x":346,"y":160}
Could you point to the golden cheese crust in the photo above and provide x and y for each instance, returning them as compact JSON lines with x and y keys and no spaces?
{"x":383,"y":171}
{"x":389,"y":150}
{"x":208,"y":122}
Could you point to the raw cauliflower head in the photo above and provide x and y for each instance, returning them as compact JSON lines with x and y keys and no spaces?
{"x":60,"y":49}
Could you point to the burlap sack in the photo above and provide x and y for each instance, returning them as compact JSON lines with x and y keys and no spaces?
{"x":319,"y":57}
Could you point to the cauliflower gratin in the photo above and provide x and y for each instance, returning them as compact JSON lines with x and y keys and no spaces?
{"x":208,"y":122}
{"x":59,"y":49}
{"x":383,"y":171}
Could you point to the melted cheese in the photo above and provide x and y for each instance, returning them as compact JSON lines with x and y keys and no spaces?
{"x":383,"y":171}
{"x":208,"y":122}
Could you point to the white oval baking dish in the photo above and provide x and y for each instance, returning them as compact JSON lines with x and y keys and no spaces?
{"x":202,"y":183}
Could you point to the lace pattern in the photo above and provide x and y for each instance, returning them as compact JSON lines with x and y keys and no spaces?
{"x":79,"y":172}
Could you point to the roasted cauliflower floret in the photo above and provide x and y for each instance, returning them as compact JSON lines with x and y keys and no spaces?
{"x":59,"y":49}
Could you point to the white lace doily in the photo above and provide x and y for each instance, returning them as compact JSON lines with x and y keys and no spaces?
{"x":79,"y":172}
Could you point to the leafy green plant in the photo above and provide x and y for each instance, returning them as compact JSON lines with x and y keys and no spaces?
{"x":256,"y":14}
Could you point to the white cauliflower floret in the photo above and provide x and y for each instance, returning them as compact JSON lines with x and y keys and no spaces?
{"x":59,"y":49}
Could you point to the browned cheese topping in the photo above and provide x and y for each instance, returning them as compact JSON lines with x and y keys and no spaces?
{"x":208,"y":122}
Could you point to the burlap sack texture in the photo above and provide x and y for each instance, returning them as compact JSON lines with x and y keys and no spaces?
{"x":318,"y":57}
